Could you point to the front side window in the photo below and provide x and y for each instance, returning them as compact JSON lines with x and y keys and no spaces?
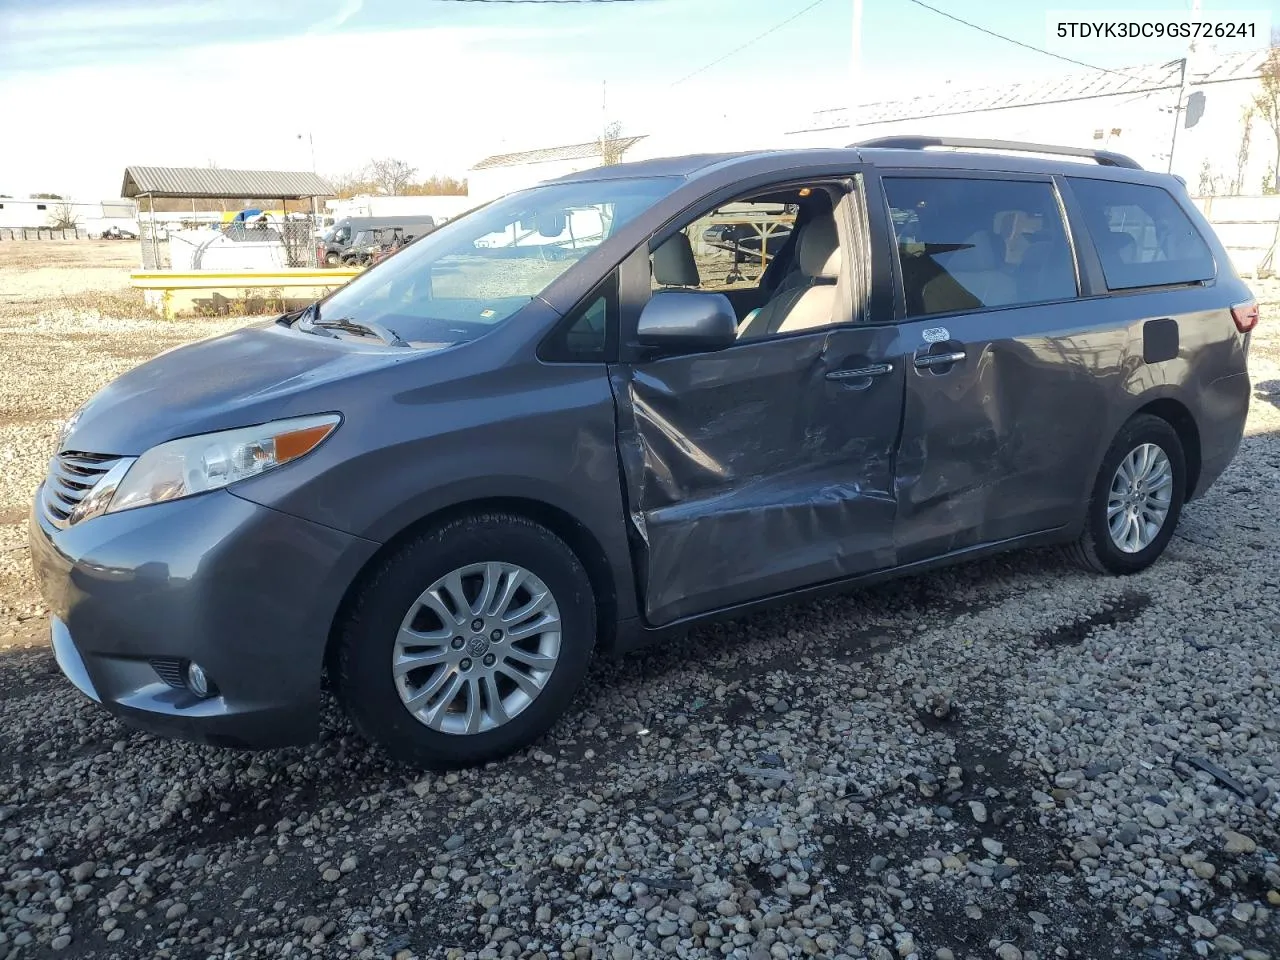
{"x":1143,"y":237}
{"x":727,"y":250}
{"x":970,"y":243}
{"x":464,"y":278}
{"x":734,"y":243}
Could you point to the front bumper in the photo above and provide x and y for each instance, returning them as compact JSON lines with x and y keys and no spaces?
{"x":247,"y":592}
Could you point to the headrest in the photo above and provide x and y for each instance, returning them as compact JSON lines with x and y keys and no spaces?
{"x":819,"y":248}
{"x":673,"y":263}
{"x":979,"y":254}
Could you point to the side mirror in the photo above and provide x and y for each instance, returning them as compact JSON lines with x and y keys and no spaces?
{"x":684,"y":320}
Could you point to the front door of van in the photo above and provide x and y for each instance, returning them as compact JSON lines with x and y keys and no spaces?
{"x":764,"y":467}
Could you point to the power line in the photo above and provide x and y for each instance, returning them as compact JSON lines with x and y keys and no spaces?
{"x":776,"y":27}
{"x":1019,"y":43}
{"x":535,"y":3}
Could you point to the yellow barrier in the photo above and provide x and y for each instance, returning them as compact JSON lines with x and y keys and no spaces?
{"x":176,"y":293}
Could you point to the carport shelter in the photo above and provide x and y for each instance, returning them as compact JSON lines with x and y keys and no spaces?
{"x":212,"y":183}
{"x":175,"y":292}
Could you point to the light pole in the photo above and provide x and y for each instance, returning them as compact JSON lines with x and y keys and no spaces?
{"x":315,"y":214}
{"x":311,"y":142}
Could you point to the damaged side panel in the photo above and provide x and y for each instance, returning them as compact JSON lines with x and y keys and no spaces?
{"x":1003,"y":443}
{"x":750,"y":472}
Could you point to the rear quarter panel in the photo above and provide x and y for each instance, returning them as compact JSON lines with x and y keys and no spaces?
{"x":1208,"y":376}
{"x":1208,"y":373}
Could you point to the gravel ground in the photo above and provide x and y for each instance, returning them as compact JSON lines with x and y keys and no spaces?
{"x":1009,"y":759}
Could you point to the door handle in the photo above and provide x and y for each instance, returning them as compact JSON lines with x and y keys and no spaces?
{"x":861,"y":373}
{"x":939,"y":359}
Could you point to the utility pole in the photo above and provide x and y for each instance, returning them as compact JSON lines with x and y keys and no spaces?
{"x":1182,"y":89}
{"x":604,"y":116}
{"x":855,"y":65}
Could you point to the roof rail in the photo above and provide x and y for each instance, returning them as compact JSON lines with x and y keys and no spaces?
{"x":1104,"y":157}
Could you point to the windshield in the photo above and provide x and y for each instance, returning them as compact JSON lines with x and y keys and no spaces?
{"x":461,"y":280}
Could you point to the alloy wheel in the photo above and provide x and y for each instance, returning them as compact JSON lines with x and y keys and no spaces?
{"x":476,"y":648}
{"x":1140,"y":497}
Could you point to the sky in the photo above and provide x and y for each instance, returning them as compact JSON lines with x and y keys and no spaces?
{"x":90,"y":86}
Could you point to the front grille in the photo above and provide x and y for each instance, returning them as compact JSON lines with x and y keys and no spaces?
{"x":72,"y":475}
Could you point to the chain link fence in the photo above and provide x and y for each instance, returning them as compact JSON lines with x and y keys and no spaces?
{"x":268,"y":243}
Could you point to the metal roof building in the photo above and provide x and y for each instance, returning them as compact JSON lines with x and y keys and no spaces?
{"x":505,"y":172}
{"x":1065,"y":88}
{"x":1133,"y":110}
{"x":573,"y":151}
{"x":211,"y":183}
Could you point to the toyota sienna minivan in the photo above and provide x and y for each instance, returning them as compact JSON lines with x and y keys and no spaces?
{"x":517,"y":444}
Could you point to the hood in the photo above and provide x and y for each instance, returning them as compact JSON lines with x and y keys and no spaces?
{"x":250,"y":376}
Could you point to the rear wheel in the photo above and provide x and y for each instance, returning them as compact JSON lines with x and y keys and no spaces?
{"x":467,"y":643}
{"x":1136,"y":501}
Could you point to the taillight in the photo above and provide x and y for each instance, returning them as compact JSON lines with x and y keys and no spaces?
{"x":1245,"y":315}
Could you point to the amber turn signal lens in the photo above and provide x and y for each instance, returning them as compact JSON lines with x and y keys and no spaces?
{"x":290,"y":446}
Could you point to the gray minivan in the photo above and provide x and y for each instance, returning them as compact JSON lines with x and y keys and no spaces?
{"x":519,"y":442}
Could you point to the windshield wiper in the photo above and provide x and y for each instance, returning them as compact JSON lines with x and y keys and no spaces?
{"x":347,"y":325}
{"x":310,"y":316}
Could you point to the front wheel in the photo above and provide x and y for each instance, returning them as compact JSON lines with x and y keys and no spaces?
{"x":331,"y":259}
{"x":1137,"y":499}
{"x":467,"y":643}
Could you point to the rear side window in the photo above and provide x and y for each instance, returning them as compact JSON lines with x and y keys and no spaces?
{"x":1143,"y":237}
{"x":969,"y":243}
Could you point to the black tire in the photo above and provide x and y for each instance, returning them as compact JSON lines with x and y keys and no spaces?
{"x":361,"y":664}
{"x":331,"y":259}
{"x":1095,"y":550}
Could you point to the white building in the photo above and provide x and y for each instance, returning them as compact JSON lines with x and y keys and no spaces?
{"x":91,"y":216}
{"x":440,"y":208}
{"x":1129,"y":110}
{"x":501,"y":174}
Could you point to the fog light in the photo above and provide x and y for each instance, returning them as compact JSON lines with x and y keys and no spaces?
{"x":197,"y":682}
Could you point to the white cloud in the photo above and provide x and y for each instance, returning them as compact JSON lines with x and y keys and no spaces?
{"x":347,"y":10}
{"x":28,"y":21}
{"x":447,"y":97}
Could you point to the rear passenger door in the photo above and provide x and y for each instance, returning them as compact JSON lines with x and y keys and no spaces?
{"x":1006,"y":366}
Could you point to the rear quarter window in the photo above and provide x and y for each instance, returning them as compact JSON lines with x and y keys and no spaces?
{"x":1142,"y":235}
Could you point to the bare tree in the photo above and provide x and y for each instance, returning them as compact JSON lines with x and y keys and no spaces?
{"x":391,"y":176}
{"x":1206,"y":187}
{"x":1267,"y":102}
{"x":63,"y":216}
{"x":611,"y":144}
{"x":1242,"y":153}
{"x":352,"y":183}
{"x":438,"y":185}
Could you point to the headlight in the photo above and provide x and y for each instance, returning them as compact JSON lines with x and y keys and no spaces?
{"x":191,"y":465}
